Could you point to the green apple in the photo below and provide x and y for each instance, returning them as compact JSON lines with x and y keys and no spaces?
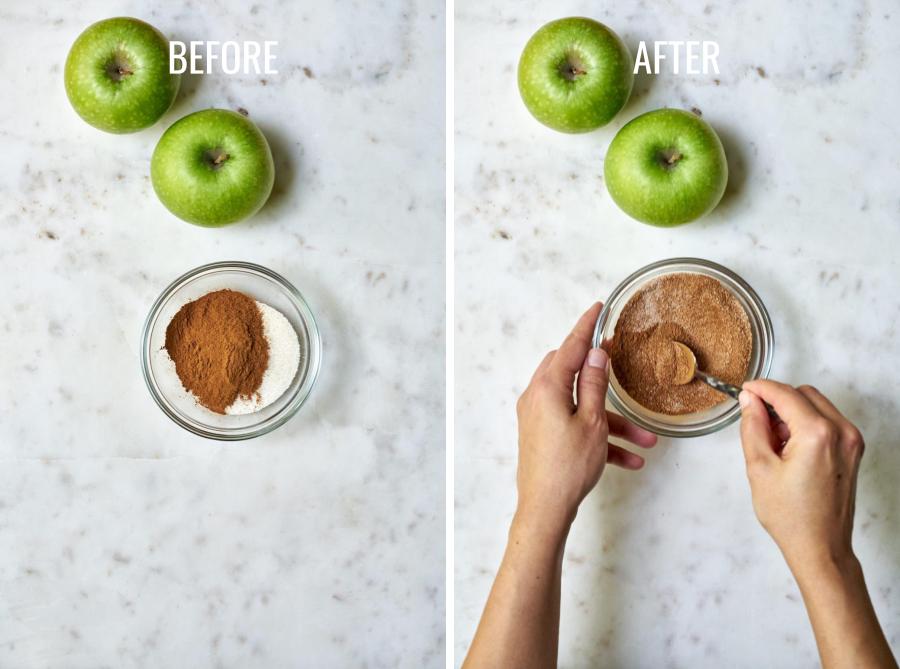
{"x":117,"y":75}
{"x":666,"y":167}
{"x":575,"y":74}
{"x":212,"y":168}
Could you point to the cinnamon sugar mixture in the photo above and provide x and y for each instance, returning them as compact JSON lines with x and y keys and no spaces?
{"x":695,"y":310}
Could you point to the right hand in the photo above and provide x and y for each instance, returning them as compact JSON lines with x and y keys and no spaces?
{"x":802,"y":472}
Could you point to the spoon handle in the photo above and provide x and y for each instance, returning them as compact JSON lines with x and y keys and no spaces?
{"x":731,"y":391}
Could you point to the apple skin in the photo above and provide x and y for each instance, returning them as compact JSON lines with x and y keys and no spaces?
{"x":666,"y":167}
{"x":195,"y":187}
{"x":117,"y":75}
{"x":575,"y":74}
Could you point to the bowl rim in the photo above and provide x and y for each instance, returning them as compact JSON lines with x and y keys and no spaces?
{"x":301,"y":394}
{"x":766,"y":345}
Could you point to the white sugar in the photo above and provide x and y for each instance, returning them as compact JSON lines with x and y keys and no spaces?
{"x":284,"y":359}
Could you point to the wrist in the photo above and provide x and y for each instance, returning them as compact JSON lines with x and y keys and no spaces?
{"x":545,"y":524}
{"x":813,"y":569}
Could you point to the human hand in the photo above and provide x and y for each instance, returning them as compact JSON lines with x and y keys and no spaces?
{"x":802,"y":473}
{"x":563,"y":444}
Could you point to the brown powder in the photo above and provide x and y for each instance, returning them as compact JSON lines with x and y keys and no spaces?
{"x":695,"y":310}
{"x":219,"y":348}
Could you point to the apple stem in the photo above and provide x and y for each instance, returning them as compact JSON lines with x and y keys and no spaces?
{"x":669,"y":158}
{"x":118,"y":67}
{"x":572,"y":67}
{"x":215,"y":158}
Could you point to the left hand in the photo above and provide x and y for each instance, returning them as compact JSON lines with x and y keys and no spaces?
{"x":563,"y":444}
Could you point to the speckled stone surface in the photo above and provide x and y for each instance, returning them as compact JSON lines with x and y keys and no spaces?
{"x":125,"y":541}
{"x":668,"y":567}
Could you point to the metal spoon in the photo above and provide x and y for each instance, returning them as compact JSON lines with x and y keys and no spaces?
{"x":686,"y":363}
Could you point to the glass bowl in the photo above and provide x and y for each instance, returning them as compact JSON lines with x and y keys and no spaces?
{"x":165,"y":387}
{"x":721,"y":415}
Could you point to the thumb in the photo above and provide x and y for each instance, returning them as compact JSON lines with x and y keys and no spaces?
{"x":593,"y":380}
{"x":757,"y":437}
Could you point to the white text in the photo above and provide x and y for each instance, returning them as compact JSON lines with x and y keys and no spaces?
{"x":692,"y":51}
{"x":233,"y":57}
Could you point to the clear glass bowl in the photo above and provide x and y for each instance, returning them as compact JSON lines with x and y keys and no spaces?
{"x":723,"y":414}
{"x":261,"y":284}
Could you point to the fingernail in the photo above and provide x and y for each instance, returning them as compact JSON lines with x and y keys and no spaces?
{"x":597,"y":357}
{"x":744,"y":399}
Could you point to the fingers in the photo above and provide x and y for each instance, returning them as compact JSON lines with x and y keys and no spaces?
{"x":570,"y":357}
{"x":792,"y":406}
{"x":782,"y":433}
{"x":849,"y":435}
{"x":757,"y":437}
{"x":593,"y":380}
{"x":620,"y":427}
{"x":823,"y":405}
{"x":620,"y":457}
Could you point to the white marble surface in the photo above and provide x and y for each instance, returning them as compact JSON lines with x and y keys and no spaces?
{"x":125,"y":541}
{"x":668,"y":567}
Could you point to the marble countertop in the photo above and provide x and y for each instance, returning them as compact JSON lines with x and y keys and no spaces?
{"x":124,"y":540}
{"x":668,"y":567}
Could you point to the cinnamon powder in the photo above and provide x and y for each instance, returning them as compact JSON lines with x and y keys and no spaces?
{"x":695,"y":310}
{"x":219,"y":348}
